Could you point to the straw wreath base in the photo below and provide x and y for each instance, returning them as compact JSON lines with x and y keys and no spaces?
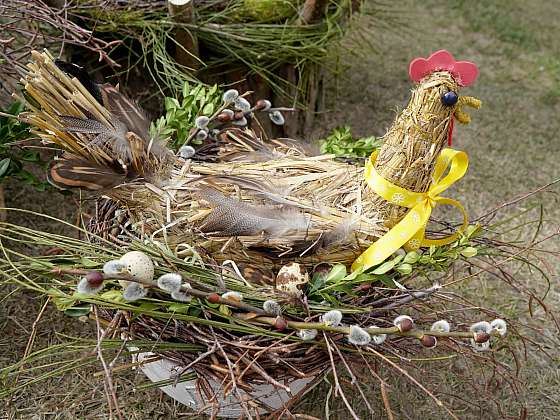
{"x":229,"y":407}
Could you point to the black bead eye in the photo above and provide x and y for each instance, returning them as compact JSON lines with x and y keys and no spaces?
{"x":449,"y":99}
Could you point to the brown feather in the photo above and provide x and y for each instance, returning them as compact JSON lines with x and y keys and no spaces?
{"x":74,"y":172}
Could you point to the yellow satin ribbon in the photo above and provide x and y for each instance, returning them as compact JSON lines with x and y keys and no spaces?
{"x":409,"y":232}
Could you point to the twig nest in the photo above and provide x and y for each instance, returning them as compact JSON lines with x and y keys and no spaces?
{"x":292,"y":278}
{"x":139,"y":266}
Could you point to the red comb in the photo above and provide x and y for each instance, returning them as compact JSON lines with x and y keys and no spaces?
{"x":464,"y":72}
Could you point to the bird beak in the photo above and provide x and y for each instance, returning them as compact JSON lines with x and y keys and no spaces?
{"x":470,"y":101}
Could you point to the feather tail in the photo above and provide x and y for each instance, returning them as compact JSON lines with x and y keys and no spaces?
{"x":74,"y":172}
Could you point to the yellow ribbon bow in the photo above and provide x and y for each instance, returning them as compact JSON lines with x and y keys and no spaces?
{"x":409,"y":232}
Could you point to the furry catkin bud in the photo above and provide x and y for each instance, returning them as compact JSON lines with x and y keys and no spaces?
{"x":481,"y":326}
{"x":242,"y":122}
{"x":213,"y":298}
{"x":481,"y":337}
{"x":201,"y":122}
{"x":181,"y":296}
{"x":358,"y":336}
{"x":233,"y":296}
{"x":86,"y":288}
{"x":500,"y":326}
{"x":134,"y":291}
{"x":441,"y":326}
{"x":114,"y":268}
{"x":280,"y":323}
{"x":272,"y":307}
{"x":263,"y":105}
{"x":332,"y":318}
{"x":95,"y":278}
{"x":230,"y":95}
{"x":378,"y":338}
{"x":428,"y":341}
{"x":404,"y":322}
{"x":307,"y":335}
{"x":170,"y":282}
{"x":186,"y":151}
{"x":225,"y":117}
{"x":201,"y":134}
{"x":481,"y":346}
{"x":276,"y":117}
{"x":242,"y":104}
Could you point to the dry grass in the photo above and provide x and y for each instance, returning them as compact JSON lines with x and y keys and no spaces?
{"x":513,"y":147}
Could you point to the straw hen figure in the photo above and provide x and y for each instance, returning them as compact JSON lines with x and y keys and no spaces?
{"x":256,"y":202}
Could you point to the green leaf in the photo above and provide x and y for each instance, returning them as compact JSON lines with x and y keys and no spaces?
{"x":63,"y":303}
{"x":469,"y":252}
{"x":337,"y":273}
{"x":383,"y":268}
{"x":78,"y":311}
{"x":208,"y":109}
{"x":411,"y":258}
{"x":180,"y":308}
{"x":87,"y":263}
{"x":4,"y":165}
{"x":113,"y":296}
{"x":405,"y":269}
{"x":224,"y":309}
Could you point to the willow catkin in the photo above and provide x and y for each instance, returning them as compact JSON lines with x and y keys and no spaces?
{"x":414,"y":142}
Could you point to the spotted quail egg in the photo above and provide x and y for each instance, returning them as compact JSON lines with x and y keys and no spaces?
{"x":292,"y":278}
{"x":139,"y":266}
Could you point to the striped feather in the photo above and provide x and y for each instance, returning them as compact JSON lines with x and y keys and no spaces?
{"x":74,"y":172}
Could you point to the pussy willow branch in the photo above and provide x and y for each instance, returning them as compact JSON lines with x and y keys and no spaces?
{"x":297,"y":325}
{"x":265,"y":319}
{"x":193,"y":292}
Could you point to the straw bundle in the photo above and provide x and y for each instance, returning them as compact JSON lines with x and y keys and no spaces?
{"x":415,"y":140}
{"x":258,"y":200}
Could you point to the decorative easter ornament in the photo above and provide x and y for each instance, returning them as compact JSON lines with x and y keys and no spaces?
{"x":292,"y":278}
{"x":139,"y":266}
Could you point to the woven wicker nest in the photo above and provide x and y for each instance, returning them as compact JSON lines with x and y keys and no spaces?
{"x":196,"y":217}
